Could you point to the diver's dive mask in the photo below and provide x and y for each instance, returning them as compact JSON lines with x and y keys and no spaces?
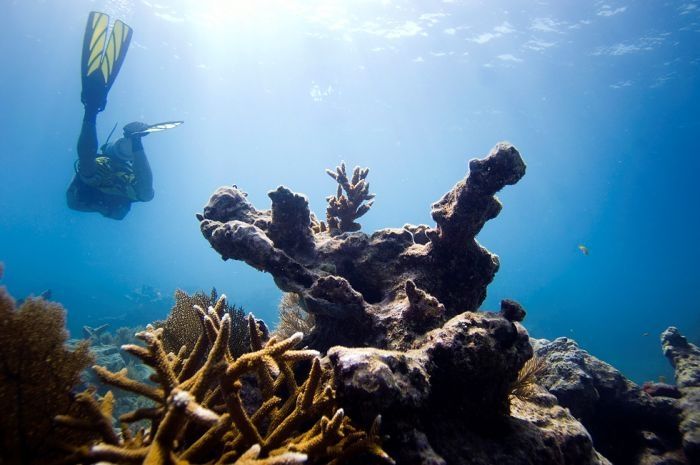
{"x":120,"y":149}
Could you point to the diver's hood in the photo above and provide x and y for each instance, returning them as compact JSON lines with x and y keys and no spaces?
{"x":121,"y":149}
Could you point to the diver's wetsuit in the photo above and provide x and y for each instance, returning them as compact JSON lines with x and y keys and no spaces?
{"x":106,"y":184}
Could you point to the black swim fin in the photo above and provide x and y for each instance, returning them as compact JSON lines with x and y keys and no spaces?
{"x":102,"y":58}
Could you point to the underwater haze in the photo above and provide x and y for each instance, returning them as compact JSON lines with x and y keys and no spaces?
{"x":601,"y":98}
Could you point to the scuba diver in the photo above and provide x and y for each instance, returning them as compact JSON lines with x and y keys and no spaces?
{"x":108,"y":182}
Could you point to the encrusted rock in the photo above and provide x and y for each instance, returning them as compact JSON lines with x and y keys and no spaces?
{"x":512,"y":310}
{"x":685,"y":358}
{"x":443,"y":402}
{"x":661,"y":390}
{"x":617,"y":413}
{"x":423,"y":309}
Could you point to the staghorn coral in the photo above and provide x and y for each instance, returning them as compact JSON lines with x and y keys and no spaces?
{"x":37,"y":374}
{"x":183,"y":325}
{"x":201,"y":414}
{"x":348,"y":204}
{"x":95,"y":334}
{"x":293,"y":317}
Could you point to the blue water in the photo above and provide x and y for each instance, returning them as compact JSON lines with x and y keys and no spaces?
{"x":601,"y":98}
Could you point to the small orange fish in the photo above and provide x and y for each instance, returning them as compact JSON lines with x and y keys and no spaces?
{"x":583,"y":249}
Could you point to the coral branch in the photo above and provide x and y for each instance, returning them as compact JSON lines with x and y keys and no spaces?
{"x":344,"y":208}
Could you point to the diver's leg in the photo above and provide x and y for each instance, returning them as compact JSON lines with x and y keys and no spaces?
{"x":87,"y":142}
{"x":79,"y":196}
{"x":142,"y":171}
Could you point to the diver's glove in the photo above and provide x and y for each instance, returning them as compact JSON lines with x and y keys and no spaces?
{"x":135,"y":129}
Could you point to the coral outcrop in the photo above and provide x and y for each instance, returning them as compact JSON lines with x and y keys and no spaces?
{"x":685,"y":358}
{"x":628,"y":426}
{"x":366,"y":290}
{"x":448,"y":401}
{"x":213,"y":407}
{"x":396,"y":313}
{"x":37,"y":375}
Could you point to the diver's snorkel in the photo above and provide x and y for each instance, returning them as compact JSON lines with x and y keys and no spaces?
{"x":104,"y":146}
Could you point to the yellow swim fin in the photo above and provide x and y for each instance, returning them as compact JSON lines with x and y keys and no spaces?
{"x":102,"y":58}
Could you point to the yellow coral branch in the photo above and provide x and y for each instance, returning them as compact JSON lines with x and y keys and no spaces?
{"x":121,"y":381}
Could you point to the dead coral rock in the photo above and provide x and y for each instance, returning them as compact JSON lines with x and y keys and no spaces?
{"x":369,"y":381}
{"x":443,"y":401}
{"x":685,"y":358}
{"x":655,"y":389}
{"x":474,"y":359}
{"x":540,"y":421}
{"x":512,"y":310}
{"x":291,"y":220}
{"x":419,"y":232}
{"x":230,"y":204}
{"x":617,"y":413}
{"x":462,"y":212}
{"x":37,"y":374}
{"x":449,"y":266}
{"x":539,"y":432}
{"x":423,"y":309}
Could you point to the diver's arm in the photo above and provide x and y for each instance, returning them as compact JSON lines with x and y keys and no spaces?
{"x":142,"y":170}
{"x":87,"y":143}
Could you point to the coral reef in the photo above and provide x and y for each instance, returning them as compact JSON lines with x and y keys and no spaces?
{"x":685,"y":358}
{"x":628,"y":426}
{"x":37,"y":375}
{"x":362,"y":289}
{"x":218,"y":408}
{"x":390,"y":337}
{"x":395,"y":311}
